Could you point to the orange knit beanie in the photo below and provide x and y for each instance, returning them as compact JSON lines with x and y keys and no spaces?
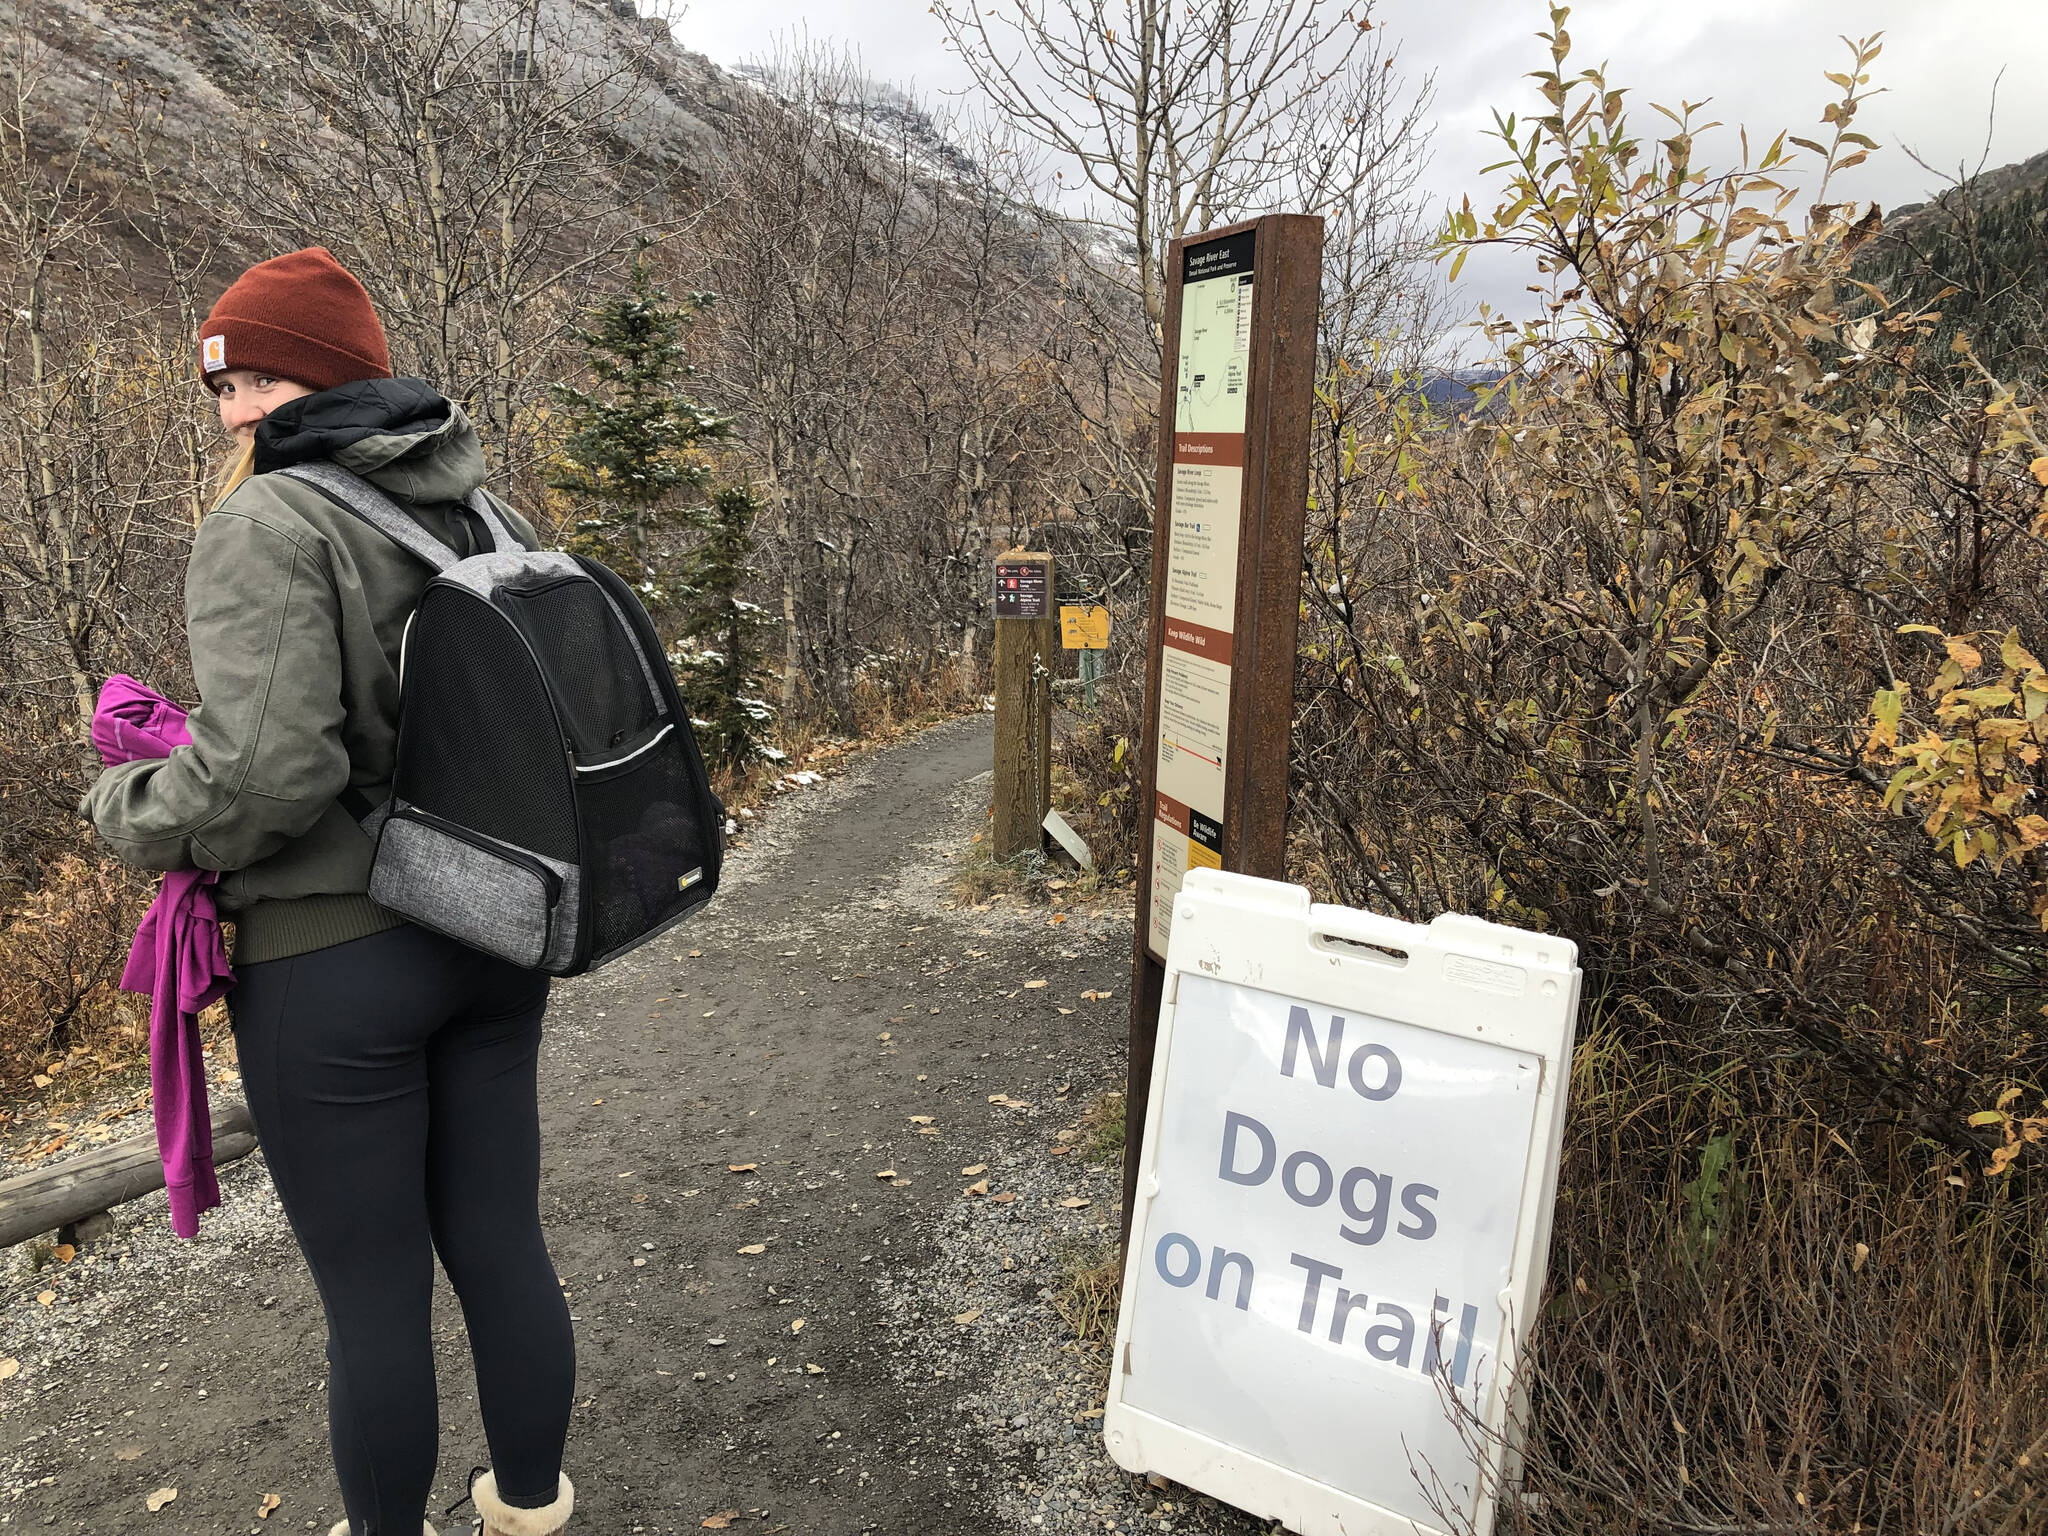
{"x":302,"y":317}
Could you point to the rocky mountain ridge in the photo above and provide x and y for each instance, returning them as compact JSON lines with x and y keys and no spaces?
{"x":202,"y":59}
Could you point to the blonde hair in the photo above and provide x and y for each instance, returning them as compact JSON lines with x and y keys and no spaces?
{"x":242,"y":468}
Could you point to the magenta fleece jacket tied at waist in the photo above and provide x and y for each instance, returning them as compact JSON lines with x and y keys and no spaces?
{"x":179,"y":959}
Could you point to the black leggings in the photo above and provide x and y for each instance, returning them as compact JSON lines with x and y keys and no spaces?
{"x":392,"y":1082}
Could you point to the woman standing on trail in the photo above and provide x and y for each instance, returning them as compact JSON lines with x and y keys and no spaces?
{"x":391,"y":1072}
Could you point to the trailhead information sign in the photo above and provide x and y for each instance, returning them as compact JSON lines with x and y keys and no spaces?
{"x":1200,"y":612}
{"x":1344,"y":1203}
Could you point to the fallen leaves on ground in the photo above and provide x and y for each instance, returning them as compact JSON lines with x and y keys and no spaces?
{"x":741,"y":1167}
{"x":971,"y":1171}
{"x":1074,"y":1203}
{"x":920,"y":1119}
{"x":159,"y":1499}
{"x":270,"y":1502}
{"x":797,"y":1326}
{"x":1004,"y":1198}
{"x":755,"y":1248}
{"x":885,"y":1173}
{"x":978,"y":1187}
{"x":9,"y":1368}
{"x":47,"y":1297}
{"x":968,"y":1316}
{"x":1007,"y":1102}
{"x":1096,"y":997}
{"x":1033,"y":986}
{"x":721,"y":1520}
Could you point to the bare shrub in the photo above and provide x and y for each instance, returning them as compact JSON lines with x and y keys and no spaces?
{"x":1750,"y":1327}
{"x":1637,"y":653}
{"x":61,"y":957}
{"x":1099,"y":750}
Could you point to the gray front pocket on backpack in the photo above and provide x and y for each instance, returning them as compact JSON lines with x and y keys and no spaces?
{"x":498,"y":899}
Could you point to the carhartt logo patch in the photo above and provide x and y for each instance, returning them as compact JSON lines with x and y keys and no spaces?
{"x":213,"y":353}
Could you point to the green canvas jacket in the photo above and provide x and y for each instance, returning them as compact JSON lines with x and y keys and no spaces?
{"x":294,"y":610}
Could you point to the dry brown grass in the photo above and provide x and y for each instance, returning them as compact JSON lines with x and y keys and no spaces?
{"x":1087,"y":1295}
{"x":1755,"y":1324}
{"x":62,"y":952}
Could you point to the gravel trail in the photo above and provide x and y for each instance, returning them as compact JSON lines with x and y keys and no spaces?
{"x":754,"y":1132}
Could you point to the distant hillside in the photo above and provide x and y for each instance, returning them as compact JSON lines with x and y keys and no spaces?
{"x":1991,"y":187}
{"x":1987,"y":239}
{"x":1456,"y":391}
{"x":201,"y":58}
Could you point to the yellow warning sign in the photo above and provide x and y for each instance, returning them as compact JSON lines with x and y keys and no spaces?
{"x":1084,"y":629}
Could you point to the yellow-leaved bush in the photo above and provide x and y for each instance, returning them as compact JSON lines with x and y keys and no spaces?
{"x":1972,"y":773}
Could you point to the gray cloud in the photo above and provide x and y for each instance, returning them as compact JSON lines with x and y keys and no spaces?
{"x":1759,"y":61}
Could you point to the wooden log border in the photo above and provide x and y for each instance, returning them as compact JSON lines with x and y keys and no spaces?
{"x":68,"y":1191}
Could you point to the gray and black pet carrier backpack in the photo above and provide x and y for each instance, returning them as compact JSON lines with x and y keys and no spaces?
{"x":550,"y":806}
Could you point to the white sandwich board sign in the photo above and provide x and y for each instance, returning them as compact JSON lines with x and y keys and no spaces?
{"x":1343,"y":1208}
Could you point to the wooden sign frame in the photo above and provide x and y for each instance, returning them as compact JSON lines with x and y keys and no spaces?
{"x":1027,"y":653}
{"x":1286,"y":273}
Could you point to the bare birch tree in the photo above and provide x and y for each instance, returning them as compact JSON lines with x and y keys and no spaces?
{"x":96,"y":407}
{"x":1164,"y":119}
{"x":879,"y":341}
{"x":820,"y":229}
{"x":472,"y":160}
{"x":1176,"y":118}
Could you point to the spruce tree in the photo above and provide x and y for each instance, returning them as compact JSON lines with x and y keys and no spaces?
{"x":720,"y":663}
{"x":628,"y":459}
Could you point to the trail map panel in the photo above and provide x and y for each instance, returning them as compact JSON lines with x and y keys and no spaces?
{"x":1215,"y":335}
{"x":1203,"y":525}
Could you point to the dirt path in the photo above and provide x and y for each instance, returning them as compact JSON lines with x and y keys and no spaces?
{"x":817,"y":1383}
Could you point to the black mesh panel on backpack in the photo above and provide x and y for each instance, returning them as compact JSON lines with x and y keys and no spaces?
{"x":599,"y":686}
{"x":457,"y":710}
{"x":642,"y":835}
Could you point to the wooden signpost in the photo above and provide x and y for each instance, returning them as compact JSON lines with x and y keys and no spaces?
{"x":1027,"y":652}
{"x":1235,"y":393}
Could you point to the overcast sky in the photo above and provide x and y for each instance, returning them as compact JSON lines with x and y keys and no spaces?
{"x":1760,"y":61}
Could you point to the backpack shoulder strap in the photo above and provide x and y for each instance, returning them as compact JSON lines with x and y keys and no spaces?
{"x":506,"y":541}
{"x":355,"y":494}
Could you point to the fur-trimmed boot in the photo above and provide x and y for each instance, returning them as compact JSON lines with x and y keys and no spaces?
{"x":502,"y":1519}
{"x":341,"y":1528}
